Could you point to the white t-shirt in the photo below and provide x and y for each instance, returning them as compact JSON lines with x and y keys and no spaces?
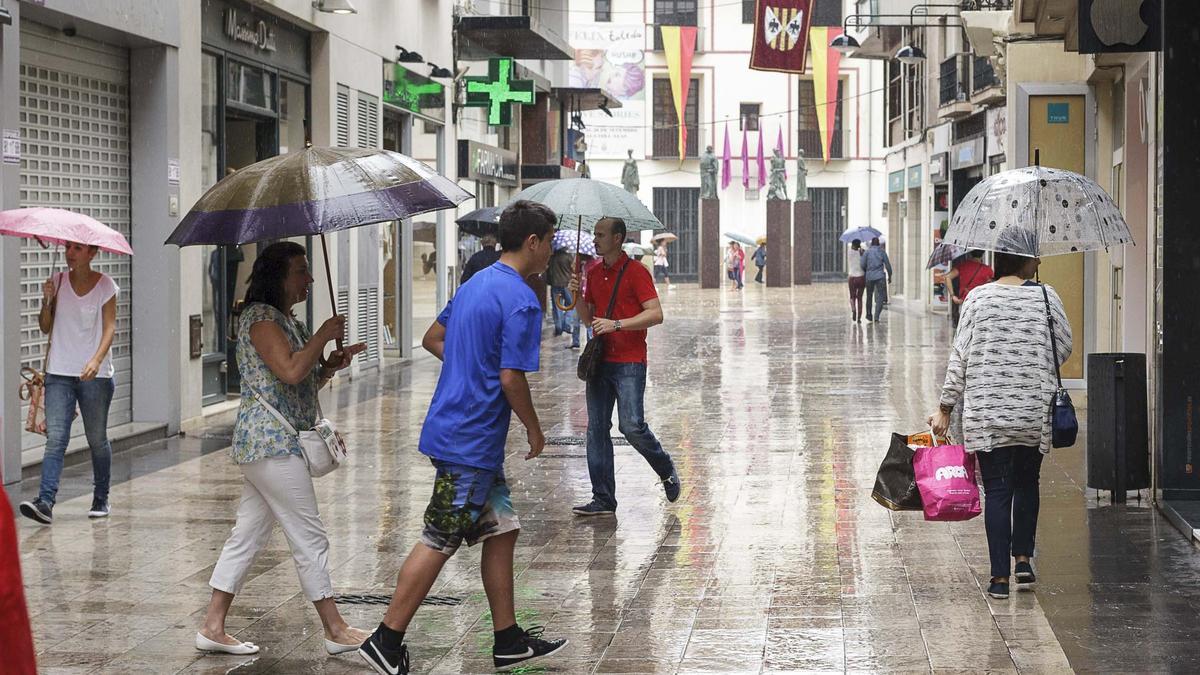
{"x":855,"y":268}
{"x":78,"y":327}
{"x":660,"y":256}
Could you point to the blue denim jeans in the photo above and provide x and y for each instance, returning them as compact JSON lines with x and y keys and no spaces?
{"x":93,"y":398}
{"x":1011,"y":503}
{"x":568,"y":321}
{"x":622,"y":385}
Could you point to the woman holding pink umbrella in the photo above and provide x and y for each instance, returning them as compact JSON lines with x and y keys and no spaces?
{"x":79,"y":313}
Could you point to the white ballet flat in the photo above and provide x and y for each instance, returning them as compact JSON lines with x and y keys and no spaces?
{"x":335,"y":648}
{"x":240,"y":649}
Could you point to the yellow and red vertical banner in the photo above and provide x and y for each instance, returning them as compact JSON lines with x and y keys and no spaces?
{"x":825,"y":65}
{"x":679,"y":45}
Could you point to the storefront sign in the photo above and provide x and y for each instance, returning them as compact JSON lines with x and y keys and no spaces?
{"x":256,"y":33}
{"x":12,"y":146}
{"x":497,"y":91}
{"x":967,"y":154}
{"x":1058,"y":113}
{"x":487,"y":163}
{"x":413,"y":92}
{"x":896,"y":181}
{"x":997,"y":129}
{"x":938,"y":168}
{"x":1107,"y":26}
{"x":914,"y":176}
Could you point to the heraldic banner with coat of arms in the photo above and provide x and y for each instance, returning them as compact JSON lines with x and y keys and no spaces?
{"x":781,"y":35}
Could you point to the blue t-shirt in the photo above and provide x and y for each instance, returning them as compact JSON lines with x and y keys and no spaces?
{"x":494,"y":322}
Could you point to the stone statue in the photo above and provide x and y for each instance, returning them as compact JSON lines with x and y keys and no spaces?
{"x":629,"y":175}
{"x":708,"y":174}
{"x":801,"y":178}
{"x":777,"y":187}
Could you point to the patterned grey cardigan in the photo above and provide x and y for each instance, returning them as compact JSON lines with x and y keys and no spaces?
{"x":1001,"y":368}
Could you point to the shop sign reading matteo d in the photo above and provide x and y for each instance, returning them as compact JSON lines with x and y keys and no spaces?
{"x":258,"y":34}
{"x":497,"y":90}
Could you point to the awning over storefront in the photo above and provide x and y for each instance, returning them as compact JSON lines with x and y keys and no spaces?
{"x":521,"y":37}
{"x":586,"y":98}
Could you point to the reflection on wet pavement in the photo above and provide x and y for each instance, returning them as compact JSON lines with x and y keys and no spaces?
{"x":775,"y":558}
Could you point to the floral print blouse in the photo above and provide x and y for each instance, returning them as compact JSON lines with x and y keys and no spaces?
{"x":257,"y":434}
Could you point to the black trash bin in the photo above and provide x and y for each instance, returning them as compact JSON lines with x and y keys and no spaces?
{"x":1118,"y":448}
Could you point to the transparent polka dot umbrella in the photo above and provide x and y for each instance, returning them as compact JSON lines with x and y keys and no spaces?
{"x":1038,"y":211}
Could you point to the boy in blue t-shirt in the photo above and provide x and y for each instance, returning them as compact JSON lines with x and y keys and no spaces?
{"x":488,"y":337}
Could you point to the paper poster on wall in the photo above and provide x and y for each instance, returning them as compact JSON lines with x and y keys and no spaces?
{"x":611,"y":57}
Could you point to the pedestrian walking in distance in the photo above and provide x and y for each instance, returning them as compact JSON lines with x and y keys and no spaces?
{"x":488,"y":338}
{"x":877,"y":269}
{"x":562,"y":266}
{"x":857,"y":279}
{"x":79,"y":314}
{"x":662,"y":265}
{"x":621,"y":381}
{"x":760,"y":261}
{"x":278,"y":360}
{"x":1002,"y":374}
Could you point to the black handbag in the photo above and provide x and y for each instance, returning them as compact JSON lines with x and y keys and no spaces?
{"x":1064,"y":425}
{"x":896,"y":482}
{"x":593,"y":353}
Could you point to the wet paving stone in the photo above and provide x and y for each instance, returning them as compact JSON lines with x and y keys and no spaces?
{"x":775,"y":559}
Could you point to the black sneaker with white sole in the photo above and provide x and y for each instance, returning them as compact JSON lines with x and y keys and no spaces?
{"x":593,"y":509}
{"x":38,"y":510}
{"x":99,"y":508}
{"x":384,"y":661}
{"x":1025,"y":573}
{"x":531,"y":646}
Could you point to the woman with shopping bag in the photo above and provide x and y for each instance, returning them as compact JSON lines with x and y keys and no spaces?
{"x":1012,"y":337}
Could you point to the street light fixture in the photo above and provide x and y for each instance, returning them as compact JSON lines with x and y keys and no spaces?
{"x":408,"y":57}
{"x":334,"y":6}
{"x":910,"y":54}
{"x":845,"y":44}
{"x":438,"y":71}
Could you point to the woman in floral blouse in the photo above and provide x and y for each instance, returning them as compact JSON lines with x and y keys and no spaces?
{"x":278,"y":361}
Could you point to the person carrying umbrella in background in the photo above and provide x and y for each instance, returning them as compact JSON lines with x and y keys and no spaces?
{"x":877,"y":269}
{"x":760,"y":259}
{"x":662,"y":264}
{"x":481,"y":259}
{"x":558,"y":275}
{"x":82,"y":305}
{"x":857,"y":279}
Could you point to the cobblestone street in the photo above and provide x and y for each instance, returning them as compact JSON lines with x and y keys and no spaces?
{"x":777,"y":410}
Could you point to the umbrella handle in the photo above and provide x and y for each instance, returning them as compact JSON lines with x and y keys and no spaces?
{"x":325,"y":362}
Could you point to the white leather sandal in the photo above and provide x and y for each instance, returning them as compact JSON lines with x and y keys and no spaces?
{"x":240,"y":649}
{"x":335,"y":648}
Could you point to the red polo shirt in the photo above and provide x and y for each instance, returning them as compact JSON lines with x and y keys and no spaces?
{"x":637,"y":287}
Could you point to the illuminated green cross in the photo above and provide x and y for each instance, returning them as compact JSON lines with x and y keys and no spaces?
{"x":497,"y":90}
{"x":413,"y":92}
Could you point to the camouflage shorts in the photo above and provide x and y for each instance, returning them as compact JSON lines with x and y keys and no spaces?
{"x":468,"y":504}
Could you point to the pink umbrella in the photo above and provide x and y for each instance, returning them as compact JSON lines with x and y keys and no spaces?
{"x":59,"y":226}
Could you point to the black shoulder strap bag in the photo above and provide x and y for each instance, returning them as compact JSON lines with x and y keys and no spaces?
{"x":593,"y":353}
{"x":1064,"y":426}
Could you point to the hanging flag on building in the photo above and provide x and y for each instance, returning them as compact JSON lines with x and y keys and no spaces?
{"x":826,"y":62}
{"x":679,"y":43}
{"x":781,"y":30}
{"x":762,"y":162}
{"x":782,"y":150}
{"x":745,"y":160}
{"x":726,"y":162}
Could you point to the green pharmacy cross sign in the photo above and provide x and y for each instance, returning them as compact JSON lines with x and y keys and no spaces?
{"x":413,"y":92}
{"x":497,"y":90}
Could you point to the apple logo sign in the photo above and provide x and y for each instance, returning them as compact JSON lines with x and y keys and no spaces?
{"x":1118,"y":21}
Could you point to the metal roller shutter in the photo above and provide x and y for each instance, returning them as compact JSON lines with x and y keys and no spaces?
{"x":74,"y":113}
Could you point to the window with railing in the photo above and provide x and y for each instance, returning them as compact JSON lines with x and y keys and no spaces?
{"x":952,"y":80}
{"x":674,"y":13}
{"x":808,"y":129}
{"x":666,"y":124}
{"x":748,"y":116}
{"x":894,"y":130}
{"x":983,"y":75}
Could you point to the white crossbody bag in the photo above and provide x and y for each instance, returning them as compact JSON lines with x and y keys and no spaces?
{"x":321,"y":446}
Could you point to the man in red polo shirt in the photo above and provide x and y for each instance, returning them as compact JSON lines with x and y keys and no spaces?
{"x":621,"y":381}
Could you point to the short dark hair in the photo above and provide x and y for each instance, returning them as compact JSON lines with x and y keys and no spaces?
{"x":855,"y":243}
{"x":1010,"y":264}
{"x":521,"y":219}
{"x":874,"y":241}
{"x":270,"y":269}
{"x":977,"y":253}
{"x":618,"y":227}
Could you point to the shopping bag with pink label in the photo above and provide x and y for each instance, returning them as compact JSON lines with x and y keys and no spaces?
{"x":946,"y":479}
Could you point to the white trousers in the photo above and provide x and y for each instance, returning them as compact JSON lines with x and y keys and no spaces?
{"x":276,"y":489}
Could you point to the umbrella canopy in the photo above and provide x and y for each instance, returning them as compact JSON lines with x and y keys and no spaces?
{"x":944,"y":253}
{"x":583,"y":202}
{"x":1038,"y":211}
{"x":59,"y":226}
{"x":761,"y":241}
{"x":637,"y":250}
{"x":664,"y":237}
{"x":315,"y":191}
{"x":567,"y":238}
{"x":740,"y":238}
{"x":480,"y":222}
{"x":860,"y":233}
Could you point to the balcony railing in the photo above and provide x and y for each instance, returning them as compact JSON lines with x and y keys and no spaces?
{"x":810,"y":143}
{"x":953,"y":80}
{"x":982,"y":74}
